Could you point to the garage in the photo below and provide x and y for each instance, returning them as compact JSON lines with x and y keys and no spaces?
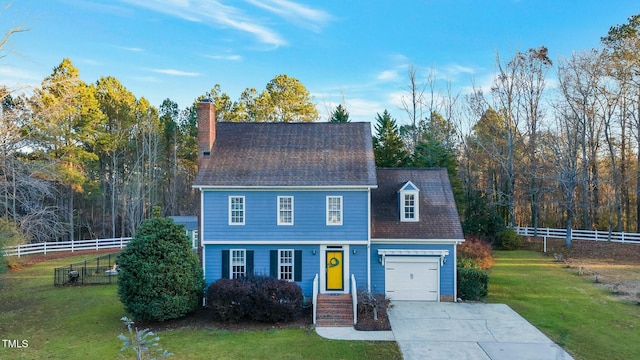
{"x":412,"y":278}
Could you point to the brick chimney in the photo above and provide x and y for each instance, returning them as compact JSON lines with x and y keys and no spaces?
{"x":206,"y":129}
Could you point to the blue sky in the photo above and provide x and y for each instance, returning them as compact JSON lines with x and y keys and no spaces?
{"x":352,"y":50}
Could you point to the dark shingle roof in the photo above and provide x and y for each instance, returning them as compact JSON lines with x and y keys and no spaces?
{"x":438,"y":215}
{"x":289,"y":154}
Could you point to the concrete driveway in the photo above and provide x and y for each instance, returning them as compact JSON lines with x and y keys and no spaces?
{"x":427,"y":330}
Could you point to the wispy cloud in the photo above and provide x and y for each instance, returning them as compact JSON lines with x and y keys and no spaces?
{"x":213,"y":12}
{"x":301,"y":15}
{"x":16,"y":74}
{"x":175,"y":72}
{"x":225,"y":57}
{"x":388,"y":75}
{"x":132,"y":49}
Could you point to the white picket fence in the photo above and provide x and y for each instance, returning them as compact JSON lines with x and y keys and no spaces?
{"x":594,"y":235}
{"x":49,"y":247}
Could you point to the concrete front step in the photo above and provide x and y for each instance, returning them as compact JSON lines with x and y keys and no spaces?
{"x":334,"y":310}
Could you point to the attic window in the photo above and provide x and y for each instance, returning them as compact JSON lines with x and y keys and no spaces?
{"x":409,"y":201}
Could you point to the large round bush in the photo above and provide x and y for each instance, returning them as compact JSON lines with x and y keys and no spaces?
{"x":160,"y":277}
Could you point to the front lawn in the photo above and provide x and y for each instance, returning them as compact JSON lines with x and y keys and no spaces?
{"x":585,"y":320}
{"x":84,"y":322}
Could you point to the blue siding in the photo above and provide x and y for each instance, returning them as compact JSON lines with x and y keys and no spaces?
{"x":358,"y":266}
{"x":261,"y":216}
{"x":310,"y":262}
{"x":446,"y":271}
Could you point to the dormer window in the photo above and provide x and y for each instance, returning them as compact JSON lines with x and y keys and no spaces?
{"x":409,"y":202}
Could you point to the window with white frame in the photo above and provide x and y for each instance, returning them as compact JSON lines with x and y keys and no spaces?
{"x":285,"y":210}
{"x":236,"y":210}
{"x":334,"y":210}
{"x":409,"y":206}
{"x":285,"y":265}
{"x":238,"y":263}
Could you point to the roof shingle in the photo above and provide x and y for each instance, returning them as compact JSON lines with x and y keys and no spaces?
{"x":289,"y":154}
{"x":438,"y":214}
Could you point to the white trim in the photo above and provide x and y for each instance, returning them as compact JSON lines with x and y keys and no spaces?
{"x":280,"y":223}
{"x":201,"y":235}
{"x":413,"y":252}
{"x":244,"y":262}
{"x":280,"y":264}
{"x":416,"y":205}
{"x":417,"y":241}
{"x":369,"y":242}
{"x":244,"y":210}
{"x":328,"y":222}
{"x":297,"y":188}
{"x":285,"y":242}
{"x":455,"y":274}
{"x":346,"y":284}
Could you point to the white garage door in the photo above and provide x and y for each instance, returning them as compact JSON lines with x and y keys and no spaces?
{"x":412,"y":278}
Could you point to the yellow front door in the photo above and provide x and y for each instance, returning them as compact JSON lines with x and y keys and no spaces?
{"x":334,"y":270}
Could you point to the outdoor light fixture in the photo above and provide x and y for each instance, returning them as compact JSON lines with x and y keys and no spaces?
{"x":354,"y":251}
{"x":313,"y":251}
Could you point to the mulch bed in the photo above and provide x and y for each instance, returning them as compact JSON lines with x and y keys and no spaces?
{"x":366,"y":321}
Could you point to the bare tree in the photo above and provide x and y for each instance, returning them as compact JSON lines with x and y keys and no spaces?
{"x":563,"y":146}
{"x":414,"y":104}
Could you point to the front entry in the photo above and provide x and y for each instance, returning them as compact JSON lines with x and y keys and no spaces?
{"x":335,"y":267}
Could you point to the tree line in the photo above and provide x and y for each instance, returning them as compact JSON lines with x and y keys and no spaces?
{"x":93,"y":160}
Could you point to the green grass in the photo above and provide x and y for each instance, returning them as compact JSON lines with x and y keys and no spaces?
{"x":84,"y":322}
{"x":585,"y":320}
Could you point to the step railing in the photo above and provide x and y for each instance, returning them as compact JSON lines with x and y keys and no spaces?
{"x":354,"y":299}
{"x":316,"y":286}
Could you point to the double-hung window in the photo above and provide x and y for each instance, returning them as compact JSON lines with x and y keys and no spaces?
{"x":409,"y":212}
{"x":238,"y":263}
{"x":334,"y":210}
{"x":285,"y":265}
{"x":285,"y":210}
{"x":409,"y":199}
{"x":236,"y":210}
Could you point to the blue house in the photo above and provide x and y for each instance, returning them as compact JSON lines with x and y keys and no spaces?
{"x":304,"y":202}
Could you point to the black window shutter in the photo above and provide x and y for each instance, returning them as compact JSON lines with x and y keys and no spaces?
{"x":297,"y":265}
{"x":249,"y":260}
{"x":273,"y":263}
{"x":225,"y":264}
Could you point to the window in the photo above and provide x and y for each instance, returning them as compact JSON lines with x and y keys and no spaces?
{"x":236,"y":210}
{"x":285,"y":265}
{"x":409,"y":201}
{"x":409,"y":207}
{"x":285,"y":210}
{"x":334,"y":210}
{"x":238,"y":264}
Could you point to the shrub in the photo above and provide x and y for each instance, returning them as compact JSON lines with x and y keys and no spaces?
{"x":275,"y":300}
{"x":466,"y":263}
{"x":473,"y":284}
{"x":508,"y":239}
{"x":476,"y":249}
{"x":230,"y":299}
{"x":258,"y":298}
{"x":160,"y":277}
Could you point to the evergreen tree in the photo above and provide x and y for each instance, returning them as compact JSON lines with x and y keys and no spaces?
{"x":160,"y":277}
{"x":388,"y":148}
{"x":340,"y":115}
